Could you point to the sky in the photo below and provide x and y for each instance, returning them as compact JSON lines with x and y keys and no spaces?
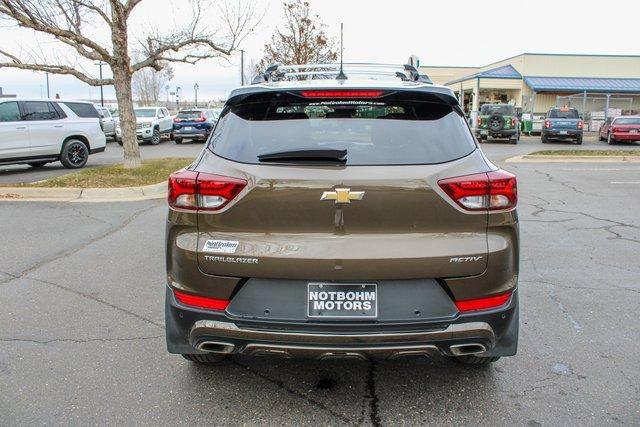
{"x":439,"y":32}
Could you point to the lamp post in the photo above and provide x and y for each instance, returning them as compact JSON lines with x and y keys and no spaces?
{"x":100,"y":64}
{"x":48,"y":96}
{"x":241,"y":67}
{"x":178,"y":91}
{"x":195,"y":88}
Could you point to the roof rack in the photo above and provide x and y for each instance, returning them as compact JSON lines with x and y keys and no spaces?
{"x":278,"y":72}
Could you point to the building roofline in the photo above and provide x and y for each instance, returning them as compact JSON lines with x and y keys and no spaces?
{"x":536,"y":54}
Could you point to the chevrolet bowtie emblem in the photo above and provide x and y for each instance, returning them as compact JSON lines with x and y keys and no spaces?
{"x":342,"y":195}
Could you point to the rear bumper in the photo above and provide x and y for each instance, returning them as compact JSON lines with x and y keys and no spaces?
{"x":488,"y":333}
{"x":625,"y":136}
{"x":195,"y":134}
{"x":562,"y":133}
{"x":505,"y":133}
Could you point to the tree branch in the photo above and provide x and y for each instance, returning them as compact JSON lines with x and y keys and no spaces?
{"x":14,"y":62}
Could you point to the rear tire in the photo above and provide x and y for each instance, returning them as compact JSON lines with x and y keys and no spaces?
{"x":177,"y":140}
{"x":37,"y":164}
{"x":208,"y":358}
{"x":74,"y":154}
{"x":579,"y":141}
{"x":544,"y":139}
{"x":472,"y":359}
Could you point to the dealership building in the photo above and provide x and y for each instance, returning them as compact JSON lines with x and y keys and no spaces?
{"x":594,"y":84}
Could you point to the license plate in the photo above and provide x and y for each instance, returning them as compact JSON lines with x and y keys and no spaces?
{"x":563,"y":132}
{"x":633,"y":131}
{"x":329,"y":300}
{"x":188,"y":128}
{"x":484,"y":132}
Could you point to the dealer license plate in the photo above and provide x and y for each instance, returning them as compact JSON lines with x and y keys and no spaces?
{"x":330,"y":300}
{"x":633,"y":131}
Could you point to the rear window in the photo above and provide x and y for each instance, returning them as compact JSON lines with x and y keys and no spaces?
{"x":563,"y":114}
{"x":490,"y":109}
{"x":627,"y":121}
{"x":189,"y":115}
{"x":83,"y":110}
{"x":381,"y":131}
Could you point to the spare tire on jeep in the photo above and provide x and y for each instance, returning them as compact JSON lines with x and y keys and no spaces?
{"x":496,"y":122}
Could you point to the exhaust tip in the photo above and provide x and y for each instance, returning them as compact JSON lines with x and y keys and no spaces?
{"x":466,"y":349}
{"x":216,"y":347}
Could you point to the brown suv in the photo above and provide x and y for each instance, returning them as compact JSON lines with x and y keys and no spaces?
{"x":342,"y":218}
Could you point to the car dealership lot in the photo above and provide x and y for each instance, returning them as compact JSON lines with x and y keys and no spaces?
{"x":79,"y":344}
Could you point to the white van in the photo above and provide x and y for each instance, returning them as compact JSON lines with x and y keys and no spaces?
{"x":41,"y":131}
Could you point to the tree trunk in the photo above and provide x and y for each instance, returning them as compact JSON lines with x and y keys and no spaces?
{"x":122,"y":83}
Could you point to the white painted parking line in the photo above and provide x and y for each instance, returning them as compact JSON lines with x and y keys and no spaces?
{"x":625,"y":182}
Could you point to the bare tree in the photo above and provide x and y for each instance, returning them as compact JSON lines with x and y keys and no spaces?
{"x":72,"y":22}
{"x":147,"y":83}
{"x":302,"y":39}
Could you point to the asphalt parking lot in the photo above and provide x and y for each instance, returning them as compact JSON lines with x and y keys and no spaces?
{"x":82,"y":338}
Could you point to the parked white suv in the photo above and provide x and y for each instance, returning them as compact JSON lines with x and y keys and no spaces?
{"x":107,"y":122}
{"x":151,"y":124}
{"x":37,"y":132}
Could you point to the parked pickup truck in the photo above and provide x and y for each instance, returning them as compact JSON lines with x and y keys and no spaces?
{"x":562,"y":123}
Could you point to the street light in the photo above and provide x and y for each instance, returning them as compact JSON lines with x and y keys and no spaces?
{"x":178,"y":91}
{"x":195,"y":88}
{"x":100,"y":64}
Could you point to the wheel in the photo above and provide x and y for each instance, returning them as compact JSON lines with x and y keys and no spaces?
{"x":544,"y":139}
{"x":119,"y":141}
{"x":579,"y":141}
{"x":472,"y":359}
{"x":155,"y":139}
{"x":514,"y":140}
{"x":208,"y":358}
{"x":177,"y":140}
{"x":74,"y":154}
{"x":600,"y":138}
{"x":37,"y":164}
{"x":610,"y":140}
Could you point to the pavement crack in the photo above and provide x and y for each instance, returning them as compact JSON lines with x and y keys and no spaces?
{"x":101,"y":301}
{"x":291,"y":391}
{"x":78,"y":248}
{"x":372,"y":395}
{"x":79,"y":341}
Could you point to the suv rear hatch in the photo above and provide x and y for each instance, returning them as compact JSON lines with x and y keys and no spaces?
{"x":285,"y":222}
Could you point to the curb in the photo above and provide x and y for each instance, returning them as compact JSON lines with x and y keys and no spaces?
{"x":573,"y":159}
{"x":85,"y":195}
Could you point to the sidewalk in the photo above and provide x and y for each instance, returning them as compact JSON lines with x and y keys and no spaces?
{"x":85,"y":195}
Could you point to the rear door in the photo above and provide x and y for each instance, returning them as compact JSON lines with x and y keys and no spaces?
{"x":47,"y":128}
{"x":288,"y":221}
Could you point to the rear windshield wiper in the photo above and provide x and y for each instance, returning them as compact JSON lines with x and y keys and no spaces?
{"x":315,"y":156}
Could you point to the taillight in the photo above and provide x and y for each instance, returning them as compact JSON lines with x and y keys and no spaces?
{"x":200,"y":191}
{"x":580,"y":124}
{"x":483,"y":303}
{"x":496,"y":190}
{"x":547,"y":124}
{"x":176,"y":120}
{"x":342,"y":93}
{"x":479,"y":121}
{"x":201,"y":302}
{"x":513,"y":122}
{"x":613,"y":129}
{"x":200,"y":119}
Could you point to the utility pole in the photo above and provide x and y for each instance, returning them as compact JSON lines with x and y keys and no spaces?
{"x":100,"y":64}
{"x":178,"y":91}
{"x":195,"y":88}
{"x":241,"y":67}
{"x":48,"y":96}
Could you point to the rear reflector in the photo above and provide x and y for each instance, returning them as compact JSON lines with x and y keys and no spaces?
{"x":342,"y":93}
{"x":495,"y":190}
{"x":200,"y":191}
{"x":201,"y":302}
{"x":483,"y":303}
